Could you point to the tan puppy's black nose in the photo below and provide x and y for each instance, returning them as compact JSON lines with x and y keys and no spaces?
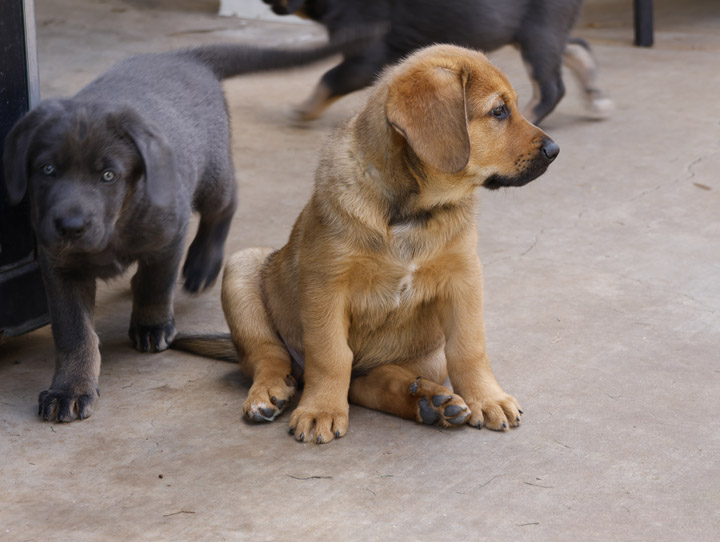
{"x":550,"y":149}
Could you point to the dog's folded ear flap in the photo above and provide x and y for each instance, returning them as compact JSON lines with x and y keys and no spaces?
{"x":16,"y":153}
{"x":157,"y":156}
{"x":430,"y":112}
{"x":294,"y":5}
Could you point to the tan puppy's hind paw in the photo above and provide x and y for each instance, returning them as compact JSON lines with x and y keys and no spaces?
{"x":437,"y":404}
{"x":266,"y":400}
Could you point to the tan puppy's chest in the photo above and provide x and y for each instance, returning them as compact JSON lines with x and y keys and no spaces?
{"x":398,"y":288}
{"x":398,"y":280}
{"x":394,"y":305}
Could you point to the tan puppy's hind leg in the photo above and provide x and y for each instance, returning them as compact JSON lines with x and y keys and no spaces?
{"x":410,"y":392}
{"x":263,"y":356}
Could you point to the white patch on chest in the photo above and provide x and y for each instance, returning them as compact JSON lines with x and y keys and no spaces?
{"x":405,"y":286}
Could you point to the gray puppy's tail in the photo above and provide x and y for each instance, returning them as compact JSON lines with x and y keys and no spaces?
{"x":215,"y":345}
{"x":229,"y":60}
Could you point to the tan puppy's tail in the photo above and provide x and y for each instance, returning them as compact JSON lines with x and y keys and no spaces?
{"x":215,"y":345}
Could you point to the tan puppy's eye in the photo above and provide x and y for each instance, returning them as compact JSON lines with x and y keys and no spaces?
{"x":108,"y":176}
{"x":501,"y":112}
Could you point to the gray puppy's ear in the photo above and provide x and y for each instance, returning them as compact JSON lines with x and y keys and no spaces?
{"x":157,"y":156}
{"x":16,"y":154}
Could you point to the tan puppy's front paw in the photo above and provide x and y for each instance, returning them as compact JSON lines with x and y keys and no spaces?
{"x":319,"y":425}
{"x":267,"y":398}
{"x":498,"y":411}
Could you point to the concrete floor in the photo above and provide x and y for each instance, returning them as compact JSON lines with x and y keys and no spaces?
{"x":602,"y":311}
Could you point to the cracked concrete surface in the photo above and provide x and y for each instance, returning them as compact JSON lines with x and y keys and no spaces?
{"x":602,"y":298}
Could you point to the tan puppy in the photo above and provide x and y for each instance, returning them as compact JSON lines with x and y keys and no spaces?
{"x":379,"y":288}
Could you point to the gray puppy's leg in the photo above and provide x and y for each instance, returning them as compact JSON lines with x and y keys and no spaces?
{"x":152,"y":324}
{"x":548,"y":87}
{"x":74,"y":389}
{"x":205,"y":255}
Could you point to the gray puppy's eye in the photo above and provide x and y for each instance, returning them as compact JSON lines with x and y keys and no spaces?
{"x":108,"y":176}
{"x":48,"y":169}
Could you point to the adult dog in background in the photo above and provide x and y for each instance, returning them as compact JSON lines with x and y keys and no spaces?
{"x":113,"y":175}
{"x":539,"y":28}
{"x":378,"y":292}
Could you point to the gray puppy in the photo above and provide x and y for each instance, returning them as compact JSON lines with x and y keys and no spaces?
{"x":539,"y":28}
{"x":113,"y":175}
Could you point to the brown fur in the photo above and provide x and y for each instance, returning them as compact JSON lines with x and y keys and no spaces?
{"x":380,"y":285}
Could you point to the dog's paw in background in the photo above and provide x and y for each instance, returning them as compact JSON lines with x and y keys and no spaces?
{"x":437,"y":405}
{"x":599,"y":105}
{"x":497,"y":411}
{"x":152,"y":338}
{"x":67,"y":405}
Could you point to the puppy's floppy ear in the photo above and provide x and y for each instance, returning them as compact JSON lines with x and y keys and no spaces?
{"x":157,"y":156}
{"x":429,"y":111}
{"x":294,"y":5}
{"x":16,"y":154}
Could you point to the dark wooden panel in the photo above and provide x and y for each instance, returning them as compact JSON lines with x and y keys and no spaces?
{"x":22,"y":298}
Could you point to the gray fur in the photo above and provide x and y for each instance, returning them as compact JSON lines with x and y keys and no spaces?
{"x":113,"y":175}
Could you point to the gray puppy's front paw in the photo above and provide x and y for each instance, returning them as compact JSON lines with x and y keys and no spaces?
{"x":65,"y":406}
{"x":152,"y":338}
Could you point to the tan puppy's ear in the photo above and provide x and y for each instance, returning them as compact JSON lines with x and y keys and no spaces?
{"x":429,"y":111}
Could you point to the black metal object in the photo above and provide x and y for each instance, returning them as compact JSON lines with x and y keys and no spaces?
{"x":23,"y":305}
{"x":643,"y":13}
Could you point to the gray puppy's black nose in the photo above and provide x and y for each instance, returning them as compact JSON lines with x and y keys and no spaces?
{"x":70,"y":226}
{"x":550,"y":149}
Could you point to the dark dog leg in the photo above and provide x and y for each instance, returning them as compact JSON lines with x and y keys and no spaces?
{"x":543,"y":59}
{"x":74,"y":389}
{"x":152,"y":324}
{"x":350,"y":75}
{"x":205,"y":255}
{"x":579,"y":58}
